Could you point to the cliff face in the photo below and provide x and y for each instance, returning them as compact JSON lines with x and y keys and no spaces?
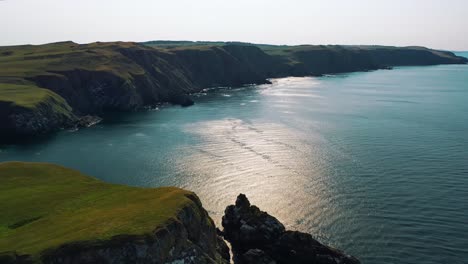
{"x":413,"y":56}
{"x":190,"y":237}
{"x":98,"y":77}
{"x":323,"y":61}
{"x":47,"y":114}
{"x":316,"y":60}
{"x":57,"y":215}
{"x":228,"y":65}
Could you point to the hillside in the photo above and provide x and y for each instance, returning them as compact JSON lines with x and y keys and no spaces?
{"x":52,"y":213}
{"x":45,"y":88}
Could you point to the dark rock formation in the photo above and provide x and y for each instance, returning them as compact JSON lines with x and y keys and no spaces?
{"x":257,"y":256}
{"x":47,"y":116}
{"x":88,"y":121}
{"x":13,"y":258}
{"x":257,"y":237}
{"x":247,"y":227}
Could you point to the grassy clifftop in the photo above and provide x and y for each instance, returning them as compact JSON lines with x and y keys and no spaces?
{"x":18,"y":62}
{"x":45,"y":206}
{"x":320,"y":59}
{"x":20,"y":66}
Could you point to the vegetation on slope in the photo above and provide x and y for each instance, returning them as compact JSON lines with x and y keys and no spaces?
{"x":45,"y":206}
{"x":92,"y":78}
{"x":304,"y":60}
{"x":28,"y":96}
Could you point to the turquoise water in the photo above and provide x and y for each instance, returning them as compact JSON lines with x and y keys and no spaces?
{"x":373,"y":163}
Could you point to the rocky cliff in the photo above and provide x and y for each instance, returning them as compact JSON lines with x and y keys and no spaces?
{"x":55,"y":215}
{"x":189,"y":237}
{"x":89,"y":79}
{"x":52,"y":214}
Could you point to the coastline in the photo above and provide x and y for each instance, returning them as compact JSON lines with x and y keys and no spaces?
{"x":64,"y":82}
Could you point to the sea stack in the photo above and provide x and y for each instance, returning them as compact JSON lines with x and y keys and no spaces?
{"x":259,"y":238}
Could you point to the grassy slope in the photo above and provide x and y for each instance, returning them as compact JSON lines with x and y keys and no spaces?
{"x":27,"y":96}
{"x":19,"y":63}
{"x":44,"y":206}
{"x":290,"y":54}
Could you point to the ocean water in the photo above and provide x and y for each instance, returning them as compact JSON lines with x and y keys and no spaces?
{"x":373,"y":163}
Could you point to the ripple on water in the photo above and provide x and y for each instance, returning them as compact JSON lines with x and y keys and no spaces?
{"x":372,"y":163}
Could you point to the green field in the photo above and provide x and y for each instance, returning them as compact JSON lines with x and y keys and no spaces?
{"x":44,"y":206}
{"x":19,"y":64}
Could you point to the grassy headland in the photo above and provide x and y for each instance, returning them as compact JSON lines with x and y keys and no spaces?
{"x":45,"y":206}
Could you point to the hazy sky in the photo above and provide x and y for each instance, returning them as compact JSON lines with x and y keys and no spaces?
{"x":439,"y":24}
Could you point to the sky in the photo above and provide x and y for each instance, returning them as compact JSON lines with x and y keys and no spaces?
{"x":441,"y":24}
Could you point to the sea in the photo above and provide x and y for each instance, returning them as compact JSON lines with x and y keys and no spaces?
{"x":373,"y":163}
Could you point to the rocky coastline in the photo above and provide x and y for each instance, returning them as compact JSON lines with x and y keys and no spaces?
{"x":61,"y":84}
{"x":57,"y":215}
{"x":79,"y":219}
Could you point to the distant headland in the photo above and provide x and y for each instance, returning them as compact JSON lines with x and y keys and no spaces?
{"x":45,"y":88}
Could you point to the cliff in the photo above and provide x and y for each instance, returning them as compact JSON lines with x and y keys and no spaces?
{"x":51,"y":214}
{"x":55,"y":215}
{"x":48,"y":87}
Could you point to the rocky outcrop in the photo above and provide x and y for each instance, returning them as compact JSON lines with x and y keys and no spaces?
{"x":87,"y":121}
{"x":47,"y":116}
{"x":257,"y":237}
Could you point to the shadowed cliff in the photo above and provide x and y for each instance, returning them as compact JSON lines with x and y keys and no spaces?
{"x":61,"y":85}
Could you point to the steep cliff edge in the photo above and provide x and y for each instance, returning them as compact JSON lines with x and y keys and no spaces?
{"x":52,"y":214}
{"x":98,"y":77}
{"x":90,"y":79}
{"x":27,"y":109}
{"x":315,"y":60}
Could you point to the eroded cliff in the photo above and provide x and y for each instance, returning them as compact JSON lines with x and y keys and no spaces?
{"x":89,"y":79}
{"x":51,"y":214}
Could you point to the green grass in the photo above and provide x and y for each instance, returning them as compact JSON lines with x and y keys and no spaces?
{"x":44,"y":206}
{"x":28,"y":96}
{"x":17,"y":62}
{"x":20,"y":64}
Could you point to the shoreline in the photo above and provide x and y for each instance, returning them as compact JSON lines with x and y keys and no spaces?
{"x":60,"y":83}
